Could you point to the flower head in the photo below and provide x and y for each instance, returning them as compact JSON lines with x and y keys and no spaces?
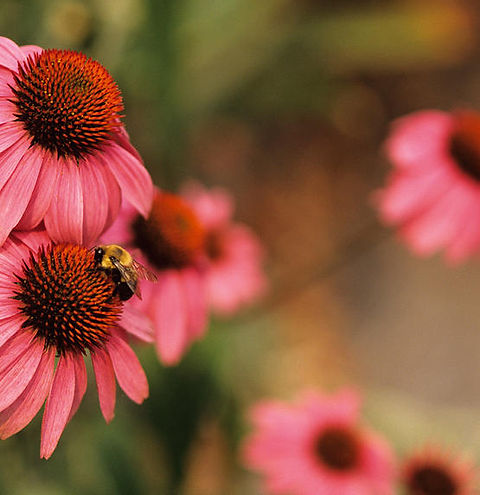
{"x":431,"y":471}
{"x":317,"y":447}
{"x":433,"y":193}
{"x":170,"y":243}
{"x":64,"y":154}
{"x":57,"y":303}
{"x":234,"y":275}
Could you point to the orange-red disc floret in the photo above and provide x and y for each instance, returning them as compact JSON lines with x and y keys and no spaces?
{"x":68,"y":103}
{"x":66,"y":300}
{"x":465,"y":142}
{"x":172,"y":236}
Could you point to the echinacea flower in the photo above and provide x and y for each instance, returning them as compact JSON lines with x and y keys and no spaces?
{"x":65,"y":158}
{"x":169,"y":242}
{"x":316,"y":446}
{"x":433,"y":194}
{"x":55,"y":303}
{"x":433,"y":471}
{"x":234,"y":274}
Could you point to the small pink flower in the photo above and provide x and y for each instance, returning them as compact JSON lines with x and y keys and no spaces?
{"x":170,"y":242}
{"x":65,"y":158}
{"x":234,"y":276}
{"x":317,"y":447}
{"x":56,"y":304}
{"x":433,"y":193}
{"x":432,"y":471}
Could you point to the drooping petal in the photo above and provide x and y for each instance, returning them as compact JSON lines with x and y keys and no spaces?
{"x":95,"y":204}
{"x":8,"y":327}
{"x":12,"y":148}
{"x":195,"y":300}
{"x":14,"y":347}
{"x":41,"y":195}
{"x":15,"y":417}
{"x":64,"y":217}
{"x":10,"y":54}
{"x":132,"y":177}
{"x":106,"y":386}
{"x":6,"y":80}
{"x":170,"y":318}
{"x":114,"y":194}
{"x":80,"y":384}
{"x":128,"y":370}
{"x":17,"y":191}
{"x":58,"y":406}
{"x":15,"y":378}
{"x":7,"y":110}
{"x":136,"y":323}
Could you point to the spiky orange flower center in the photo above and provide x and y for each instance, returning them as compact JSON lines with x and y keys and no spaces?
{"x":66,"y":300}
{"x":68,"y":103}
{"x":465,"y":143}
{"x":431,"y":480}
{"x":172,"y":236}
{"x":338,"y":448}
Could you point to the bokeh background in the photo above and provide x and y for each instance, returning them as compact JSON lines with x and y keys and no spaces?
{"x":286,"y":103}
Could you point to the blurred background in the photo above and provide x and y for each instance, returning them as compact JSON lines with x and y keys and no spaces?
{"x":286,"y":103}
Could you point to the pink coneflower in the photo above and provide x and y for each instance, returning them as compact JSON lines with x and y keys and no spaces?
{"x":65,"y":157}
{"x":317,"y":447}
{"x":432,"y":471}
{"x":55,"y":303}
{"x":170,"y":242}
{"x":433,"y":194}
{"x":234,"y":276}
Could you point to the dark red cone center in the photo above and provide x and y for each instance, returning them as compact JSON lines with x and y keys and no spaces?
{"x":172,"y":236}
{"x":68,"y":103}
{"x":338,"y":449}
{"x":431,"y":480}
{"x":66,"y":300}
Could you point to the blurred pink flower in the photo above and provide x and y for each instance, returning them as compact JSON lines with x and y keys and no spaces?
{"x":170,"y":242}
{"x":317,"y":447}
{"x":433,"y":471}
{"x":54,"y":304}
{"x":234,"y":276}
{"x":65,"y":157}
{"x":433,"y":193}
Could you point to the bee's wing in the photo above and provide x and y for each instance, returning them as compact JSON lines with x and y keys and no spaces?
{"x":129,"y":276}
{"x":143,"y":272}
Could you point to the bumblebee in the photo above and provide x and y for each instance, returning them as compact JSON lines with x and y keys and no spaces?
{"x":125,"y":272}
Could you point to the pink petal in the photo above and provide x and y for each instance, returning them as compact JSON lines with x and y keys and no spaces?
{"x":195,"y":300}
{"x":30,"y":50}
{"x":14,"y":347}
{"x":12,"y":148}
{"x":129,"y":372}
{"x":170,"y":318}
{"x":419,"y":139}
{"x":80,"y":384}
{"x":16,"y":193}
{"x":15,"y":378}
{"x":7,"y":110}
{"x":132,"y":177}
{"x":23,"y":410}
{"x":136,"y":323}
{"x":8,"y":327}
{"x":95,"y":206}
{"x":114,"y":194}
{"x":58,"y":406}
{"x":41,"y":195}
{"x":106,"y":386}
{"x":64,"y":218}
{"x":10,"y":54}
{"x":6,"y":80}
